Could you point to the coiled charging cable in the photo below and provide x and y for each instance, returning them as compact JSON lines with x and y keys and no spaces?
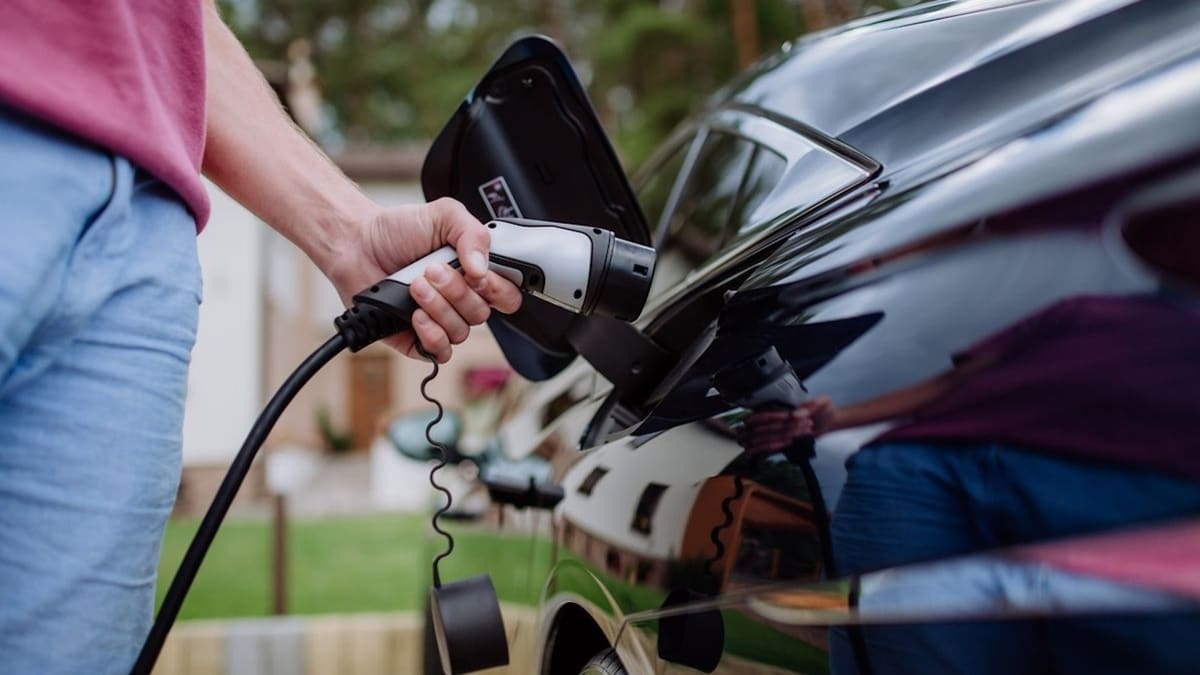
{"x":444,"y":460}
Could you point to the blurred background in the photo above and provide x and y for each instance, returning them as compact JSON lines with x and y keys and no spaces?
{"x":387,"y":71}
{"x":333,"y":522}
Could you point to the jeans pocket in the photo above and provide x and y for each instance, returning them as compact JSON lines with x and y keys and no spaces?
{"x":53,"y":192}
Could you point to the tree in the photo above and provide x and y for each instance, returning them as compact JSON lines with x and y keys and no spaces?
{"x":395,"y":69}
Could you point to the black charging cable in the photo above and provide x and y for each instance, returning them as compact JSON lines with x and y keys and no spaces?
{"x":714,"y":575}
{"x":371,"y":318}
{"x":444,"y":459}
{"x":224,"y":498}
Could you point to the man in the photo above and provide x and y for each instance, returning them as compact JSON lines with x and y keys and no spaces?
{"x":105,"y":125}
{"x":1080,"y":419}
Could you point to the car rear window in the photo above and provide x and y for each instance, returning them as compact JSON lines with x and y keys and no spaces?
{"x":766,"y":168}
{"x":655,"y":191}
{"x":718,"y":189}
{"x":698,"y":223}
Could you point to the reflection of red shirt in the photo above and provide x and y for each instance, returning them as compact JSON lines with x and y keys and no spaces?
{"x":1107,"y":378}
{"x":127,"y":75}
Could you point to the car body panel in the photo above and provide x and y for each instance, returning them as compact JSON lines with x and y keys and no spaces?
{"x":1053,"y":160}
{"x":997,"y":149}
{"x":613,"y":565}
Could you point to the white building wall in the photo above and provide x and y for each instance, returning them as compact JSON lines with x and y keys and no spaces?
{"x":225,"y":380}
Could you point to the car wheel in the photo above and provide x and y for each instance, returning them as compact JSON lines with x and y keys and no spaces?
{"x":604,"y":663}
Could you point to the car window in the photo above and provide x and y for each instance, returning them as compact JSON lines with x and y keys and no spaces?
{"x":698,"y":221}
{"x":766,"y":167}
{"x":655,"y":190}
{"x":697,"y":226}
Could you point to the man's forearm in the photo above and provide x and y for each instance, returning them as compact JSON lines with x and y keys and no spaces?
{"x":909,"y":400}
{"x":893,"y":405}
{"x":256,"y":154}
{"x":262,"y":160}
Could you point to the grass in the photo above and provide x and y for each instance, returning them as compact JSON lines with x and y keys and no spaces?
{"x":381,"y":564}
{"x":362,"y":564}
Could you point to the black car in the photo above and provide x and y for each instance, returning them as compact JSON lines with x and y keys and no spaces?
{"x":867,"y":201}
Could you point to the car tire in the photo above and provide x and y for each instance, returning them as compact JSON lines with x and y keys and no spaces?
{"x":604,"y":663}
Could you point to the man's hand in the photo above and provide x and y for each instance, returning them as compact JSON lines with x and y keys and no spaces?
{"x":386,"y":240}
{"x":768,"y":432}
{"x":262,"y":160}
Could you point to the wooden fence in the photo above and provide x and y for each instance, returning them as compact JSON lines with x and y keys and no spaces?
{"x":358,"y":644}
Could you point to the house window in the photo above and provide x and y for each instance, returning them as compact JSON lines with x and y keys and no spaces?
{"x":643,"y":517}
{"x":644,"y":569}
{"x":589,"y":483}
{"x":612,"y":561}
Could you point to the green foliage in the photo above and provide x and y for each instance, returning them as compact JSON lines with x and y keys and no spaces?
{"x":336,"y":440}
{"x":667,"y":61}
{"x":396,"y":69}
{"x":381,"y":564}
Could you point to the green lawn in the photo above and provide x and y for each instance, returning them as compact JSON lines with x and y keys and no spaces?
{"x":382,"y":563}
{"x":363,"y":564}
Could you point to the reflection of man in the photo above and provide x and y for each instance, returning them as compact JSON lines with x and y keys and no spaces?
{"x":1082,"y":418}
{"x":109,"y":109}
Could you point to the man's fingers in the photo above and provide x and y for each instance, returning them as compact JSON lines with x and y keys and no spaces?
{"x":501,"y":294}
{"x":769,"y":417}
{"x":468,"y":236}
{"x":794,"y":426}
{"x":449,"y":308}
{"x":772,"y":430}
{"x":406,"y":343}
{"x":768,"y":428}
{"x":759,"y":446}
{"x":440,"y":311}
{"x":432,"y":337}
{"x":776,"y":419}
{"x":782,"y":434}
{"x":453,"y":288}
{"x":818,"y":405}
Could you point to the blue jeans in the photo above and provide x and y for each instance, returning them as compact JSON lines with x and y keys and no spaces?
{"x":907,"y":502}
{"x":99,"y":293}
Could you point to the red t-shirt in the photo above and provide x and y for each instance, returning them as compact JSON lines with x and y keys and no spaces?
{"x":127,"y":75}
{"x":1115,"y":379}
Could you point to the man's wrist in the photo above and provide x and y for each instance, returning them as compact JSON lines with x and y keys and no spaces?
{"x":835,"y":419}
{"x":327,"y":226}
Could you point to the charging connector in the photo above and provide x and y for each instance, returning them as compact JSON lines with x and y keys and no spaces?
{"x":378,"y":312}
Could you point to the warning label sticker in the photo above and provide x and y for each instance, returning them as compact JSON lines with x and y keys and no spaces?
{"x":499,"y":199}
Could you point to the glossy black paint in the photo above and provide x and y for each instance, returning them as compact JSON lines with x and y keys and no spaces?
{"x":947,"y":170}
